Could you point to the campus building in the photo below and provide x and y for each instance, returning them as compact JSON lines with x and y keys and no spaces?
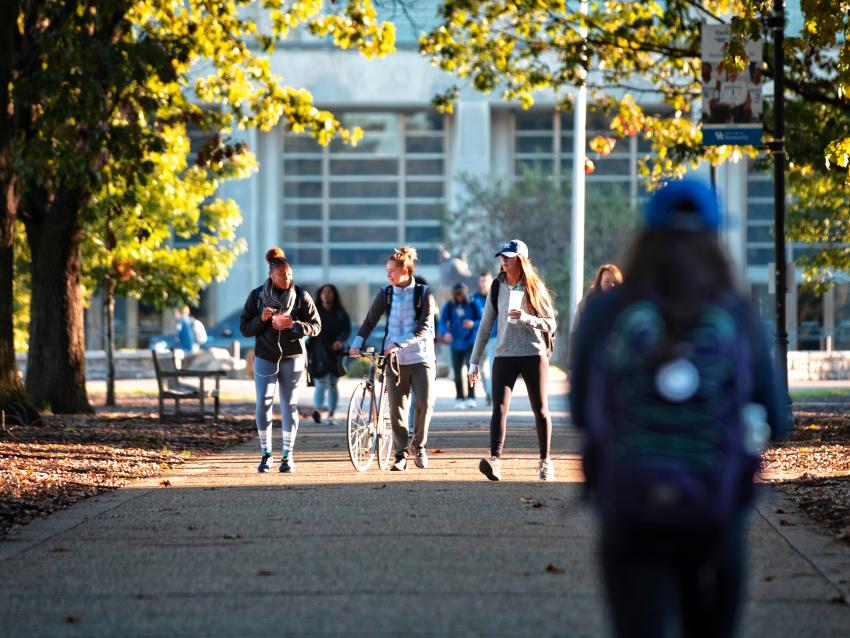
{"x":338,"y":211}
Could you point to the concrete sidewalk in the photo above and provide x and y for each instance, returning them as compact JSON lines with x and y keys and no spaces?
{"x":223,"y":551}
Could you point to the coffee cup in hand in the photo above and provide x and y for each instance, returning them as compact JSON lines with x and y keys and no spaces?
{"x":515,"y":303}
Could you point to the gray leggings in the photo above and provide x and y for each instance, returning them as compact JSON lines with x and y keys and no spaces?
{"x":266,"y":381}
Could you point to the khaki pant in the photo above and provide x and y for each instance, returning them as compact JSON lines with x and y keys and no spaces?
{"x":420,"y":377}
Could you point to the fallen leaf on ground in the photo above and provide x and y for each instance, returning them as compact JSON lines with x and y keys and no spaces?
{"x":531,"y":501}
{"x":551,"y":569}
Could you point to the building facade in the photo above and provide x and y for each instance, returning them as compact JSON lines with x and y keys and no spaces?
{"x":339,"y":211}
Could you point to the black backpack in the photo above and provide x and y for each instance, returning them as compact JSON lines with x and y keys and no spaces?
{"x":548,"y":337}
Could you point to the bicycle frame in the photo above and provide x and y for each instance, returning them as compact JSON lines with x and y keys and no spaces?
{"x":373,"y":385}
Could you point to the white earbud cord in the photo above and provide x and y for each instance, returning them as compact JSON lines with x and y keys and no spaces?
{"x":279,"y":347}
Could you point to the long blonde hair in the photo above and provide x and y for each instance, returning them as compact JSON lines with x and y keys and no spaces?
{"x":539,"y":297}
{"x":405,"y":257}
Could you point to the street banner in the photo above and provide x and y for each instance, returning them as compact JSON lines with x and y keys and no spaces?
{"x":731,"y":100}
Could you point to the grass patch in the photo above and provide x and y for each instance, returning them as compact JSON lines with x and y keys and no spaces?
{"x":820,"y":393}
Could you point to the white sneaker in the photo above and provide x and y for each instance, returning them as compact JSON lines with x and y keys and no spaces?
{"x":547,"y":470}
{"x":460,"y":404}
{"x":471,"y":403}
{"x":491,"y":468}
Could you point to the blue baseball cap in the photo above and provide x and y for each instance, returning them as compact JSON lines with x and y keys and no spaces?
{"x":513,"y":248}
{"x":683,"y":205}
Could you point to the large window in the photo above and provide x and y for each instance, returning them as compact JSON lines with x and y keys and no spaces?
{"x":543,"y":140}
{"x":760,"y":246}
{"x":351,"y":205}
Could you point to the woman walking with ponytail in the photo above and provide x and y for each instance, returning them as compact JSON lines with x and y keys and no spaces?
{"x":279,"y":315}
{"x":525,"y":331}
{"x":409,"y":308}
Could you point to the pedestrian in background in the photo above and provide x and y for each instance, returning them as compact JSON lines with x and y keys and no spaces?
{"x":279,"y":315}
{"x":326,"y":351}
{"x":607,"y":277}
{"x":409,"y":340}
{"x":184,"y":338}
{"x":522,"y":305}
{"x":458,"y":325}
{"x":485,"y":280}
{"x":674,"y":387}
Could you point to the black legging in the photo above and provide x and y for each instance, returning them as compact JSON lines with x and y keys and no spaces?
{"x":460,"y":358}
{"x":506,"y":370}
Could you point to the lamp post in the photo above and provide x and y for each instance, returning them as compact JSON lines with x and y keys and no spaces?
{"x":577,"y":219}
{"x":776,"y":22}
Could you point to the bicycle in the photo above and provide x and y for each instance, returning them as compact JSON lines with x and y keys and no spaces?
{"x":368,"y":424}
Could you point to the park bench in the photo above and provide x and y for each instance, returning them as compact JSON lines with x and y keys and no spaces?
{"x":169,"y":379}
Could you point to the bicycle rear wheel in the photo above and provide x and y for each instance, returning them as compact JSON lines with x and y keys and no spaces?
{"x":361,"y":427}
{"x":385,"y":436}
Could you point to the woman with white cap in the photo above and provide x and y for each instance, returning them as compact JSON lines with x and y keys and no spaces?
{"x":521,"y":304}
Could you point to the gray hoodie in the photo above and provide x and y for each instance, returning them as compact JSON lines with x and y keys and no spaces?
{"x":520,"y":339}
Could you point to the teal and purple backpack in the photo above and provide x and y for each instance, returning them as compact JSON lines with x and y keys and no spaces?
{"x":668,"y":443}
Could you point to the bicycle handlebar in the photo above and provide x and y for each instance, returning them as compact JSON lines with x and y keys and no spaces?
{"x":369,"y":355}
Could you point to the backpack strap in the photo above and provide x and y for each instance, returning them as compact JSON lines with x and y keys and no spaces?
{"x":493,"y":294}
{"x":388,"y":300}
{"x":419,"y":293}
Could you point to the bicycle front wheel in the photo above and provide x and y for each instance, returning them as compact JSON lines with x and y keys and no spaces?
{"x":385,"y":436}
{"x":361,"y":427}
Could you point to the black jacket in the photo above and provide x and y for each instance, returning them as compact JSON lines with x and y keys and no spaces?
{"x":304,"y":314}
{"x":336,"y":326}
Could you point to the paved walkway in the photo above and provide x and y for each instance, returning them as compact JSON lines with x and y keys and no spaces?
{"x":223,"y":551}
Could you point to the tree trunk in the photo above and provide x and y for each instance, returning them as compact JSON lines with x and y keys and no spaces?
{"x":13,"y":399}
{"x":109,"y":302}
{"x":56,"y":367}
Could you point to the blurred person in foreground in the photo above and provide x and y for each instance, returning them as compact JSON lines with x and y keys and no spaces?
{"x":674,"y":387}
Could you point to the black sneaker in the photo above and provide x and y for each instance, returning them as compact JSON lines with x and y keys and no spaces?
{"x":287,"y":465}
{"x":400,"y":464}
{"x":317,"y":417}
{"x":264,"y":463}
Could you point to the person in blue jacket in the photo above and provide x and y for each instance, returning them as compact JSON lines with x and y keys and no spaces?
{"x":184,"y":338}
{"x":485,"y":280}
{"x":459,"y":321}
